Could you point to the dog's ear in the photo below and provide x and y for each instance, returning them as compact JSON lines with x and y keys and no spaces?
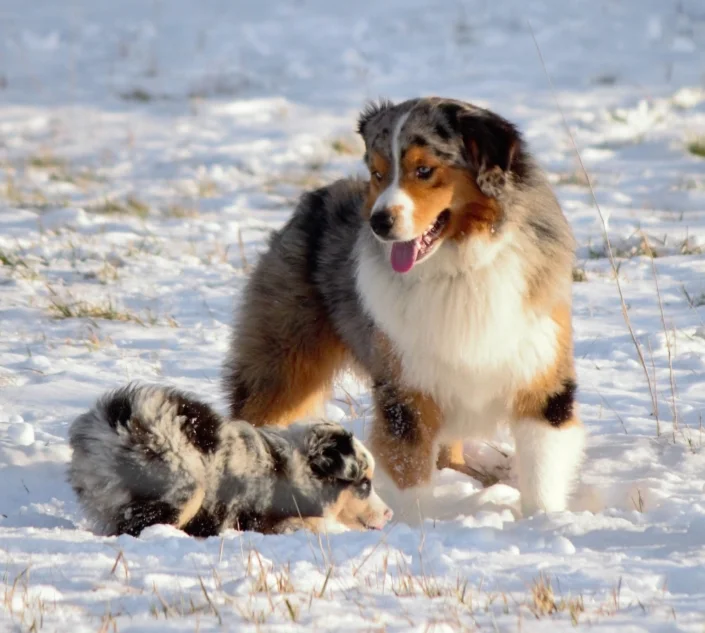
{"x":493,"y":146}
{"x":371,"y":111}
{"x":331,"y":452}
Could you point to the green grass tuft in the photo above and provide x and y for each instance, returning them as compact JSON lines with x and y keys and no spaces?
{"x":46,"y":161}
{"x":579,"y":275}
{"x":65,"y":309}
{"x":138,"y":94}
{"x":129,"y":206}
{"x":697,"y":147}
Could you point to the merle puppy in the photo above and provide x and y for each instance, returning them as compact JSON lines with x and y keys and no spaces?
{"x":148,"y":454}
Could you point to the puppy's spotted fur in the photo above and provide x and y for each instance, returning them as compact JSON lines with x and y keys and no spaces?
{"x":446,"y":278}
{"x":147,"y":454}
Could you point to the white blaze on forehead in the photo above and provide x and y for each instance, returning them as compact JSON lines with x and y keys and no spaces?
{"x":393,"y":195}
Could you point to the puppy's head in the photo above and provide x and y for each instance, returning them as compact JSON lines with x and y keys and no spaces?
{"x":345,"y":468}
{"x":439,"y":170}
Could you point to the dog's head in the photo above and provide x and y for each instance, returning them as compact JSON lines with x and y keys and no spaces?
{"x":440,"y":170}
{"x":345,"y":469}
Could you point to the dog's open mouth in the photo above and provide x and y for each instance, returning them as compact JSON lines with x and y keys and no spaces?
{"x":406,"y":254}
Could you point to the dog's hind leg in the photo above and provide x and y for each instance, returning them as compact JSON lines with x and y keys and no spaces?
{"x":282,"y":370}
{"x":285,"y":349}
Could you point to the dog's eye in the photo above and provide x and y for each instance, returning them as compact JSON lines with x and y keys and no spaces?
{"x":423,"y":172}
{"x":377,"y":175}
{"x":365,"y":485}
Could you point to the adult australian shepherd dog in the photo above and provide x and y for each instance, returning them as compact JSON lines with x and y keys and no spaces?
{"x":446,"y":278}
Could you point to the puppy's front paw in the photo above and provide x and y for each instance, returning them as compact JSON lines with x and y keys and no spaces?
{"x":333,"y":526}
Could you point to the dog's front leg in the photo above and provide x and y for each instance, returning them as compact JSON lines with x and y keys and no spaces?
{"x":404,"y":441}
{"x":317,"y":525}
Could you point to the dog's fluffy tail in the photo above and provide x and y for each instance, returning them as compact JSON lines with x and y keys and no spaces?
{"x":140,"y":458}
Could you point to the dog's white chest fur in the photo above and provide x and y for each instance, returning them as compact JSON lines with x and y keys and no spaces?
{"x":461,"y":327}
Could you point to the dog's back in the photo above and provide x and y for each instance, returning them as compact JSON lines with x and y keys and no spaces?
{"x":140,"y":458}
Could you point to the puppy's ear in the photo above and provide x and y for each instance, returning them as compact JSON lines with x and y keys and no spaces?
{"x":330,"y":451}
{"x":494,"y":147}
{"x":371,"y":111}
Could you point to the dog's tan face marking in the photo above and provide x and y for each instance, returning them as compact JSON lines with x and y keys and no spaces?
{"x":472,"y":212}
{"x":379,"y":179}
{"x":428,"y":195}
{"x":428,"y":183}
{"x":434,"y":187}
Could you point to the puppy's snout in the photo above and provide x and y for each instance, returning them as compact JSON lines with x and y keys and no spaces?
{"x":382,"y":519}
{"x":382,"y":222}
{"x":381,"y":512}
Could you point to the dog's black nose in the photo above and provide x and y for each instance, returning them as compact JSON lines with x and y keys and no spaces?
{"x":382,"y":223}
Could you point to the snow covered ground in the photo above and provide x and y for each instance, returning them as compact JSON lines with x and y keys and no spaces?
{"x":147,"y":148}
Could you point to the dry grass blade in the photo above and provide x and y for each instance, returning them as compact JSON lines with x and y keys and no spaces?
{"x":243,"y":256}
{"x":653,"y":374}
{"x":619,"y":417}
{"x":603,"y":224}
{"x":373,"y":550}
{"x":672,"y":378}
{"x":293,"y":612}
{"x":210,"y":602}
{"x":261,"y":584}
{"x":542,"y":597}
{"x":168,"y":611}
{"x":108,"y":623}
{"x":120,"y":558}
{"x":325,"y":582}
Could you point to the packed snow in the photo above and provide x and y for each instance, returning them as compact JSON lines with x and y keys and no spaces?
{"x":146,"y":151}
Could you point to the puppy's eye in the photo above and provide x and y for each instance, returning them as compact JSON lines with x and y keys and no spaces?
{"x":365,"y":485}
{"x":377,"y":175}
{"x":423,"y":172}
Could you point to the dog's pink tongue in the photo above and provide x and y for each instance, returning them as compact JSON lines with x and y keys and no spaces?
{"x":404,"y":255}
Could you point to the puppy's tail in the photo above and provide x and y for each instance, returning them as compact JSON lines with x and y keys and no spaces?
{"x":141,"y":456}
